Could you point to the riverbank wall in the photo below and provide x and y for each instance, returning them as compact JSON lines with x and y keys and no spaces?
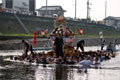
{"x":11,"y":24}
{"x":16,"y":44}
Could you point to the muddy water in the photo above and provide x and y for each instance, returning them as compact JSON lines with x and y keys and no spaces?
{"x":11,"y":70}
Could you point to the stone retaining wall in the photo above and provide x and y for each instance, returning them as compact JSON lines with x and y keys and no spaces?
{"x":17,"y":44}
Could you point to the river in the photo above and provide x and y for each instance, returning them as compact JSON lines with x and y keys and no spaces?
{"x":16,"y":70}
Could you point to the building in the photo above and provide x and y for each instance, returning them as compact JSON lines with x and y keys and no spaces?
{"x":0,"y":6}
{"x":112,"y":21}
{"x":1,"y":10}
{"x":21,"y":6}
{"x":51,"y":11}
{"x":32,"y":4}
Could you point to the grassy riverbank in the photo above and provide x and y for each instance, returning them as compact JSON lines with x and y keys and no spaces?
{"x":83,"y":36}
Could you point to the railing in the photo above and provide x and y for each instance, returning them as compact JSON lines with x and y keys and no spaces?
{"x":26,"y":30}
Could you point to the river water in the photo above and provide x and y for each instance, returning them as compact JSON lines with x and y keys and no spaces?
{"x":11,"y":70}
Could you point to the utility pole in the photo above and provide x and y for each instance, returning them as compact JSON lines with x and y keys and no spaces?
{"x":105,"y":11}
{"x":87,"y":9}
{"x":75,"y":8}
{"x":46,"y":6}
{"x":105,"y":8}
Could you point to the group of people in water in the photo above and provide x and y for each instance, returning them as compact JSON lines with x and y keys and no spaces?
{"x":59,"y":48}
{"x":111,"y":46}
{"x":57,"y":56}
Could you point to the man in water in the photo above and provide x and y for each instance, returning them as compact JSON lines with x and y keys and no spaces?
{"x":59,"y":45}
{"x":81,"y":45}
{"x":86,"y":63}
{"x":111,"y":47}
{"x":102,"y":43}
{"x":27,"y":47}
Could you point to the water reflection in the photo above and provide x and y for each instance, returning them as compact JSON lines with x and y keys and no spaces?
{"x":45,"y":73}
{"x":10,"y":70}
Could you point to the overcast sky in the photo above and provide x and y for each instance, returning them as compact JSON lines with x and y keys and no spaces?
{"x":97,"y":11}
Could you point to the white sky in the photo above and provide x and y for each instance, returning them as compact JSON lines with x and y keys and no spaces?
{"x":97,"y":11}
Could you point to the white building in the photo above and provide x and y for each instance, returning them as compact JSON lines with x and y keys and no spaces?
{"x":51,"y":11}
{"x":21,"y":6}
{"x":113,"y":21}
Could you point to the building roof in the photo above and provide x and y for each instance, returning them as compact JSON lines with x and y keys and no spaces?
{"x":51,"y":8}
{"x":111,"y":17}
{"x":118,"y":23}
{"x":117,"y":18}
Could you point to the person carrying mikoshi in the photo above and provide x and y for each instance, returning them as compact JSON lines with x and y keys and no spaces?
{"x":81,"y":44}
{"x":27,"y":47}
{"x":59,"y":45}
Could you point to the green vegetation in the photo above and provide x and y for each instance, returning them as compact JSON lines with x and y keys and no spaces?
{"x":106,"y":36}
{"x":78,"y":35}
{"x":17,"y":35}
{"x":21,"y":35}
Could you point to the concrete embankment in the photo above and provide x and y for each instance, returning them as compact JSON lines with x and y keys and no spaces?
{"x":10,"y":24}
{"x":16,"y":44}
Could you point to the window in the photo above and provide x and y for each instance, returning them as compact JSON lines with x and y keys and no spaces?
{"x":9,"y":3}
{"x":32,"y":5}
